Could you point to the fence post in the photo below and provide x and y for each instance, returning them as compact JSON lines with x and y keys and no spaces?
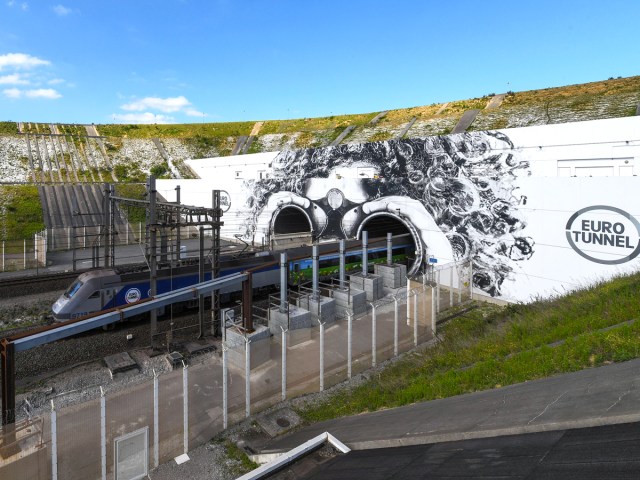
{"x":470,"y":279}
{"x":451,"y":287}
{"x":247,"y":377}
{"x":408,"y":297}
{"x":395,"y":326}
{"x":103,"y":433}
{"x":415,"y":319}
{"x":24,"y":252}
{"x":284,"y":364}
{"x":438,"y":291}
{"x":3,"y":255}
{"x":185,"y":405}
{"x":54,"y":442}
{"x":349,"y":341}
{"x":156,"y":422}
{"x":459,"y":285}
{"x":321,"y":355}
{"x":84,"y":237}
{"x":373,"y":335}
{"x":225,"y":393}
{"x":433,"y":312}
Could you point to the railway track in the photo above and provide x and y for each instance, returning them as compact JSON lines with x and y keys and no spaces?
{"x":17,"y":286}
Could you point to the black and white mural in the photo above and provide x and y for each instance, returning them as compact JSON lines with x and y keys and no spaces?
{"x":456,"y":194}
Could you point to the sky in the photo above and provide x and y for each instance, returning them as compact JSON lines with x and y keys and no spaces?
{"x":188,"y":61}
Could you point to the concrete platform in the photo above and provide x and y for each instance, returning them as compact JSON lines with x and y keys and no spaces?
{"x":352,"y":300}
{"x":393,"y":276}
{"x":371,"y":284}
{"x":321,"y":308}
{"x":297,"y":320}
{"x":259,"y":345}
{"x":120,"y":362}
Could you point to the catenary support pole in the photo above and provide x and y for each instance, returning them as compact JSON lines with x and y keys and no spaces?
{"x":389,"y":248}
{"x":433,"y":311}
{"x":415,"y":319}
{"x":247,"y":377}
{"x":315,"y":256}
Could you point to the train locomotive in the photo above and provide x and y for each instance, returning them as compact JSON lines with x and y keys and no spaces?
{"x":106,"y":288}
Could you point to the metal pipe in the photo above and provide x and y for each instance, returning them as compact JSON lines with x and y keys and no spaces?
{"x":389,"y":248}
{"x":373,"y":335}
{"x":315,"y":255}
{"x":365,"y":253}
{"x":349,"y":342}
{"x":54,"y":442}
{"x":284,"y":270}
{"x":342,"y":264}
{"x":321,"y":356}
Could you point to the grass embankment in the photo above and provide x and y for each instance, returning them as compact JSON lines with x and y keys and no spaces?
{"x":495,"y":346}
{"x":20,"y":213}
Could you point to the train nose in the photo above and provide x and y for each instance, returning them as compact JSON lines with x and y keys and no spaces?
{"x":58,"y":306}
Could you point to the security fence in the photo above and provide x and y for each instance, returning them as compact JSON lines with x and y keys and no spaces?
{"x":125,"y":434}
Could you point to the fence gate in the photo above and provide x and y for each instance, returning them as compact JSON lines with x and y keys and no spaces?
{"x":132,"y":455}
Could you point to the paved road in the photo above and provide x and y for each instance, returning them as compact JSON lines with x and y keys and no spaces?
{"x":592,"y":397}
{"x":596,"y":453}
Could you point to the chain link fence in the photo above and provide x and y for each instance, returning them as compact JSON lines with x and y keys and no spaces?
{"x":125,"y":434}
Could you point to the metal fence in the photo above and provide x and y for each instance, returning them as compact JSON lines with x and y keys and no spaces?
{"x":124,"y":434}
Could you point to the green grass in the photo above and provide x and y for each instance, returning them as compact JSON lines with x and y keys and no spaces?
{"x":136,"y":191}
{"x":492,"y":346}
{"x":8,"y":128}
{"x":20,"y":212}
{"x":241,"y":463}
{"x":186,"y":130}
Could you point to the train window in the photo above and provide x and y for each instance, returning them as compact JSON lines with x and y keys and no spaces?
{"x":71,"y":291}
{"x":95,"y":294}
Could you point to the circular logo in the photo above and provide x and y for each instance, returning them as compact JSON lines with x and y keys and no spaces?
{"x":603,"y":234}
{"x":225,"y":200}
{"x":132,"y":295}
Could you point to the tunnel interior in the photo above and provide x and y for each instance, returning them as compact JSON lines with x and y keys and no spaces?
{"x":379,"y":225}
{"x":291,"y":220}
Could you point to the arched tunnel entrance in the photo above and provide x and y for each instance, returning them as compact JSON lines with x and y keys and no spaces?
{"x":290,"y":227}
{"x":406,"y":237}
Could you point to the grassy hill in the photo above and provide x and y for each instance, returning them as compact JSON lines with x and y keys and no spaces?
{"x":129,"y":153}
{"x":491,"y":347}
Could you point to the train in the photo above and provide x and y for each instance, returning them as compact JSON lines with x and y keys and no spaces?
{"x":106,"y":288}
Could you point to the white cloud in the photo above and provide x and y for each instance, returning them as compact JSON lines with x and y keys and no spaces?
{"x":12,"y":93}
{"x":146,"y":117}
{"x":61,"y":10}
{"x":13,"y":79}
{"x":55,"y":81}
{"x":21,"y":61}
{"x":192,"y":112}
{"x":47,"y":93}
{"x":167,"y":105}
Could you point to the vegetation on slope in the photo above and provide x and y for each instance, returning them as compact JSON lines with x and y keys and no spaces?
{"x":20,"y":212}
{"x":493,"y":346}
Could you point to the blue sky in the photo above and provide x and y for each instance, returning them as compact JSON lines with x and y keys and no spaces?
{"x":185,"y":61}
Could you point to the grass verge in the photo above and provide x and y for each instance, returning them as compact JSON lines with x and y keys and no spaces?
{"x":492,"y":346}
